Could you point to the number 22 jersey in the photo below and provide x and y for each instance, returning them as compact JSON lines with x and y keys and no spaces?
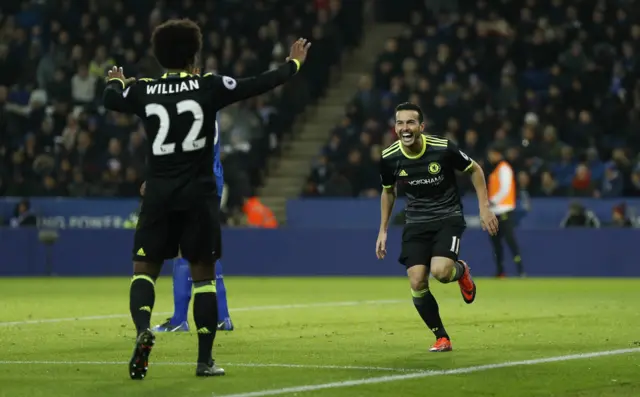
{"x":179,"y":115}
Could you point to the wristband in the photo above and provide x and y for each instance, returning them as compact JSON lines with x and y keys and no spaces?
{"x":297,"y":64}
{"x":117,"y":79}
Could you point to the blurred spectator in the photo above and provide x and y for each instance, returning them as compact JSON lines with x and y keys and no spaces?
{"x":338,"y":186}
{"x":549,"y":187}
{"x":23,"y":216}
{"x":551,"y":147}
{"x":524,"y":185}
{"x":579,"y":216}
{"x":612,"y":185}
{"x":557,"y":83}
{"x":619,"y":217}
{"x":582,"y":185}
{"x":634,"y":186}
{"x":52,"y":75}
{"x":258,"y":215}
{"x":367,"y":99}
{"x":319,"y":176}
{"x":83,"y":86}
{"x":565,"y":169}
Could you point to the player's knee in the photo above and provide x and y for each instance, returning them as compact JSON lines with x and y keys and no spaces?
{"x":202,"y":271}
{"x":418,"y":277}
{"x":418,"y":284}
{"x":147,"y":268}
{"x":441,"y":269}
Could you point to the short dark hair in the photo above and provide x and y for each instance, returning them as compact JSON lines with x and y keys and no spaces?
{"x":411,"y":106}
{"x":176,"y":43}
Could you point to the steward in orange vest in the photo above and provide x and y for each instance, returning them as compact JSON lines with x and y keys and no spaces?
{"x":502,"y":196}
{"x":258,"y":214}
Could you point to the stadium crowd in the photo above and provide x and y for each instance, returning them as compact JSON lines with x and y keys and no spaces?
{"x":57,"y":140}
{"x":554,"y":83}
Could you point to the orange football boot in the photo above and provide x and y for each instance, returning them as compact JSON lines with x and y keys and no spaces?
{"x":441,"y":345}
{"x":467,"y":286}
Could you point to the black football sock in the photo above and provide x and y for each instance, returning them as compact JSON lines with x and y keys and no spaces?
{"x":205,"y":315}
{"x":142,"y":296}
{"x":512,"y":243}
{"x":427,"y":307}
{"x":518,"y":260}
{"x":456,"y":272}
{"x":498,"y":253}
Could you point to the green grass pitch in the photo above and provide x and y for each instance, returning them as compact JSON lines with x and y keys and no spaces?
{"x":329,"y":337}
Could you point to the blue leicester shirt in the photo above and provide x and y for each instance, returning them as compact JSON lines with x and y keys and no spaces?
{"x":217,"y":165}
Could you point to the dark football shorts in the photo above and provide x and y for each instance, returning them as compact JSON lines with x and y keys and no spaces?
{"x":194,"y":231}
{"x":423,"y":241}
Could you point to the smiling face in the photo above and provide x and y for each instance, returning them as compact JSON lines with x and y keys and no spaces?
{"x":409,"y":126}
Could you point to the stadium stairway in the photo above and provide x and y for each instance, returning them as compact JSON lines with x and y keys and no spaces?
{"x":289,"y":172}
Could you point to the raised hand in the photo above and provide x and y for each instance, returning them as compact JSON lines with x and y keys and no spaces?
{"x":299,"y":50}
{"x":117,"y":73}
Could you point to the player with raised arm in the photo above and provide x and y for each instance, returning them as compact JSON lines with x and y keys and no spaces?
{"x":425,"y":167}
{"x":182,"y":282}
{"x":180,"y":207}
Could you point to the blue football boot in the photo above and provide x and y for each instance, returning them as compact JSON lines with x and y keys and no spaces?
{"x":226,"y":325}
{"x":168,"y":327}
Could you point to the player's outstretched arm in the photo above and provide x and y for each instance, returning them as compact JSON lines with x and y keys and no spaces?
{"x":487,"y":217}
{"x":116,"y":95}
{"x":229,"y":90}
{"x":387,"y":200}
{"x":464,"y":163}
{"x":480,"y":184}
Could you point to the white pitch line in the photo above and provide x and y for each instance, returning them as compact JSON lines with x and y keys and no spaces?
{"x":425,"y":374}
{"x":251,"y":365}
{"x":65,"y":319}
{"x":309,"y":366}
{"x":239,"y":309}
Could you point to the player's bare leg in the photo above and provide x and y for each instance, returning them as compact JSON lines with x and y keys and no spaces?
{"x":141,"y":300}
{"x":205,"y":316}
{"x":446,"y":270}
{"x":427,"y":306}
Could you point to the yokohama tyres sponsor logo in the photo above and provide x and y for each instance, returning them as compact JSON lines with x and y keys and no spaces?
{"x":427,"y":181}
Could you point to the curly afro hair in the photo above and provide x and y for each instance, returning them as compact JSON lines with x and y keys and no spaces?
{"x":177,"y":43}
